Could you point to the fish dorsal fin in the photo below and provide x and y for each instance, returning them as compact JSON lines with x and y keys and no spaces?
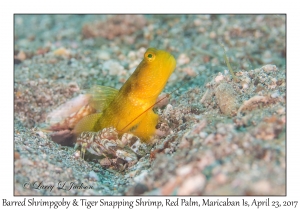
{"x":101,"y":96}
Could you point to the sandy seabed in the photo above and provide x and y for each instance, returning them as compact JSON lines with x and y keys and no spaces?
{"x":217,"y":135}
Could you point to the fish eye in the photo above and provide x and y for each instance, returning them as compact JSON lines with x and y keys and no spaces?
{"x":150,"y":56}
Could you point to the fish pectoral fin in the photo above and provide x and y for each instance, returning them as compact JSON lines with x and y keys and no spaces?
{"x":146,"y":128}
{"x":101,"y":96}
{"x":88,"y":123}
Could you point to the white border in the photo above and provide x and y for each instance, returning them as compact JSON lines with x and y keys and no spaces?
{"x":147,"y":6}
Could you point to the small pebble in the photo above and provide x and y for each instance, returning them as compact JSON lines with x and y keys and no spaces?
{"x":104,"y":55}
{"x":93,"y":176}
{"x":184,"y":170}
{"x":16,"y":156}
{"x":269,"y":68}
{"x":192,"y":185}
{"x":113,"y":67}
{"x":275,"y":94}
{"x":141,"y":176}
{"x":140,"y":188}
{"x":183,"y":59}
{"x":219,"y":78}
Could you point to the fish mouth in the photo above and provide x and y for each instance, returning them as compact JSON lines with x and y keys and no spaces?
{"x":168,"y":60}
{"x":171,"y":62}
